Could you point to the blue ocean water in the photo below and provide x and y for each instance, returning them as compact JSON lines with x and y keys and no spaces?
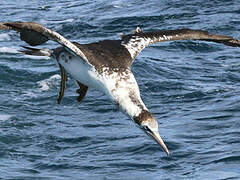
{"x":192,"y":89}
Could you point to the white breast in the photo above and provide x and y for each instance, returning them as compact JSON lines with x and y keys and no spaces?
{"x":80,"y":70}
{"x":120,"y":87}
{"x":123,"y":89}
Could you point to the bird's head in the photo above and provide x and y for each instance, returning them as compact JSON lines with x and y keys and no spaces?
{"x":150,"y":127}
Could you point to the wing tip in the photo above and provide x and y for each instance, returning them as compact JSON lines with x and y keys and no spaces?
{"x":4,"y":26}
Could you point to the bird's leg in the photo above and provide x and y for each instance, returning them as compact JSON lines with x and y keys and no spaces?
{"x":63,"y":83}
{"x":82,"y":91}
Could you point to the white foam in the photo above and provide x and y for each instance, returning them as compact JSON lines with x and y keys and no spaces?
{"x":46,"y":84}
{"x":5,"y":117}
{"x":57,"y":21}
{"x":120,"y":4}
{"x":4,"y":37}
{"x":29,"y":94}
{"x":8,"y":50}
{"x":36,"y":57}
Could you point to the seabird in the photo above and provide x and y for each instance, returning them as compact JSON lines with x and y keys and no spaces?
{"x":106,"y":65}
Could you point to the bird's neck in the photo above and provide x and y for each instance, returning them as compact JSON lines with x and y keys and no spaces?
{"x":136,"y":110}
{"x":132,"y":106}
{"x":122,"y":88}
{"x":145,"y":115}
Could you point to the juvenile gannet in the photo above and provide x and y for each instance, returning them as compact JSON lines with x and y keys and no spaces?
{"x":106,"y":65}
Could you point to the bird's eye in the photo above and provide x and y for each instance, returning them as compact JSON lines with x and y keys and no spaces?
{"x":147,"y":129}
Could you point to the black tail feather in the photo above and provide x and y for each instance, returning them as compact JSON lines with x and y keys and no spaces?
{"x":35,"y":51}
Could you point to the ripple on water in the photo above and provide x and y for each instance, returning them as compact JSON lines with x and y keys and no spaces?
{"x":192,"y":88}
{"x":4,"y":37}
{"x":5,"y":117}
{"x":46,"y":84}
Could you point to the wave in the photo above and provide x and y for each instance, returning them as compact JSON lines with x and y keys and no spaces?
{"x":56,"y":21}
{"x":4,"y":37}
{"x":46,"y":84}
{"x":120,"y":4}
{"x":12,"y":50}
{"x":5,"y":117}
{"x":36,"y":57}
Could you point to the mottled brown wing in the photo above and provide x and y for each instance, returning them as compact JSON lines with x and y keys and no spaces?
{"x":29,"y":32}
{"x":137,"y":41}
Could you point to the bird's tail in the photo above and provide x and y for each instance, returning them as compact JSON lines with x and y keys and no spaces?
{"x":36,"y":52}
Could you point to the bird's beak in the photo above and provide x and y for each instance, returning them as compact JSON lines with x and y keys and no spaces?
{"x":155,"y":135}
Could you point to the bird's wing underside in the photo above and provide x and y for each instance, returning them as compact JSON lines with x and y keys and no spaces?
{"x":137,"y":41}
{"x":35,"y":34}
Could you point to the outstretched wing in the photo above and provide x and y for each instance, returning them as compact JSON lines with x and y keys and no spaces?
{"x":36,"y":34}
{"x":137,"y":41}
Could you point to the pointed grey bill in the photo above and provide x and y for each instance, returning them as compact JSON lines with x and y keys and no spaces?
{"x":158,"y":139}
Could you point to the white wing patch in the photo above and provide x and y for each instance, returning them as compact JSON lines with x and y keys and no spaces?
{"x":137,"y":43}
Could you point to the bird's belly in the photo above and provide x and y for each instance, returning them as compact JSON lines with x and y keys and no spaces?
{"x":82,"y":71}
{"x":121,"y":88}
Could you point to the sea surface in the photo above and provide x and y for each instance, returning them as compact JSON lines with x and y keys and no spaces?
{"x":191,"y":87}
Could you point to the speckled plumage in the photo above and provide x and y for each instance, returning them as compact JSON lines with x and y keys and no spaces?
{"x":106,"y":65}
